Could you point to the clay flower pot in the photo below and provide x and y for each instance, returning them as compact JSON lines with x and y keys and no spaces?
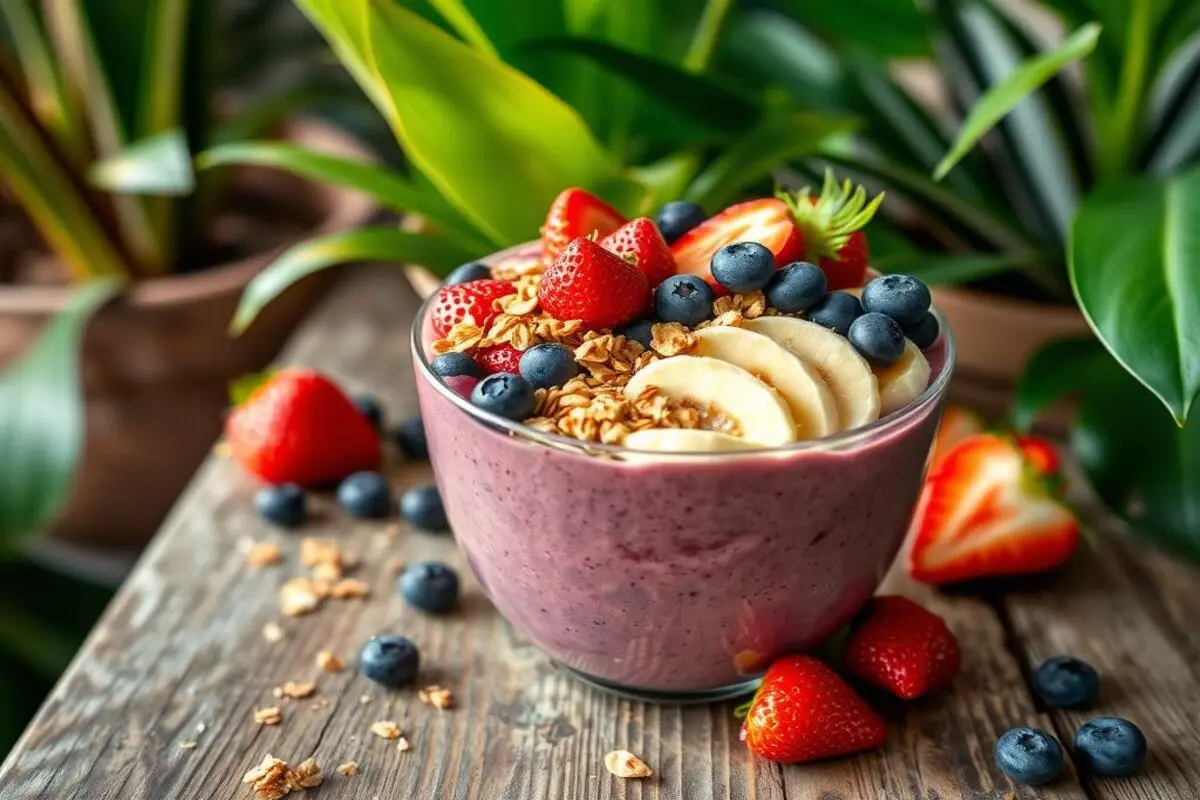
{"x":157,"y":362}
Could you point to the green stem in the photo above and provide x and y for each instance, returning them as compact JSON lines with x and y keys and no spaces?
{"x":707,"y":33}
{"x":1117,"y":151}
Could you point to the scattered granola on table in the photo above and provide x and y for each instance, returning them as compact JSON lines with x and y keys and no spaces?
{"x":271,"y":715}
{"x":403,"y":745}
{"x":349,"y":769}
{"x":296,"y":690}
{"x":386,"y":729}
{"x":437,"y":696}
{"x":328,"y":661}
{"x":272,"y":632}
{"x":263,"y":554}
{"x":299,"y":596}
{"x":625,"y":764}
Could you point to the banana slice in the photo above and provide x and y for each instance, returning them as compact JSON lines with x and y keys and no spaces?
{"x":684,"y":440}
{"x":801,"y":386}
{"x":758,"y":409}
{"x":847,"y":374}
{"x":902,"y":382}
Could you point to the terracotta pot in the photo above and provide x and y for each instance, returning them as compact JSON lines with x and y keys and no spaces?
{"x":157,"y":363}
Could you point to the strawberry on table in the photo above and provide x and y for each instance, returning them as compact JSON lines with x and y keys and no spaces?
{"x":640,"y":243}
{"x":574,"y":213}
{"x":501,"y":357}
{"x":767,"y":221}
{"x":901,"y":647}
{"x":298,"y":427}
{"x":453,"y":303}
{"x":588,"y":283}
{"x":991,"y":506}
{"x":804,"y":712}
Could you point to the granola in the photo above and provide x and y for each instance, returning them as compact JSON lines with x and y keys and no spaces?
{"x":437,"y":696}
{"x":386,"y":729}
{"x":349,"y":769}
{"x":263,"y":554}
{"x":297,"y":690}
{"x":349,"y":588}
{"x":300,"y":596}
{"x":271,"y":715}
{"x":328,"y":661}
{"x":625,"y":764}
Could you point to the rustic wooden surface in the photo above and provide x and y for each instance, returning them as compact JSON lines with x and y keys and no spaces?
{"x":181,"y":647}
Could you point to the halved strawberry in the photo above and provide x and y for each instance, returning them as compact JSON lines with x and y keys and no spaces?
{"x":987,"y":509}
{"x":453,"y":303}
{"x":957,"y":424}
{"x":767,"y":221}
{"x":640,"y":243}
{"x":574,"y":213}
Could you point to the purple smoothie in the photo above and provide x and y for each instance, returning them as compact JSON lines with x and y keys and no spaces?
{"x":686,"y":575}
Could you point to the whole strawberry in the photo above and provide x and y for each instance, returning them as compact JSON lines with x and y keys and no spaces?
{"x":639,"y":242}
{"x":501,"y":357}
{"x":804,"y":712}
{"x":574,"y":213}
{"x":831,"y":226}
{"x":901,"y":647}
{"x":588,"y":283}
{"x":453,"y":303}
{"x":298,"y":427}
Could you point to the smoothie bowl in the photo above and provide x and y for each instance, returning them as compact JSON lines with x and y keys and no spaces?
{"x":666,"y":505}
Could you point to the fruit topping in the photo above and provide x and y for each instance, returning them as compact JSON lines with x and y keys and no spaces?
{"x":430,"y":586}
{"x":421,"y":506}
{"x":685,"y":440}
{"x":506,"y":395}
{"x":639,"y":242}
{"x":497,"y":358}
{"x":461,"y":385}
{"x":366,"y":495}
{"x":987,"y":510}
{"x":835,"y":311}
{"x":901,"y":647}
{"x":677,"y":218}
{"x":878,"y":337}
{"x":640,"y":331}
{"x":903,"y":381}
{"x":473,"y":271}
{"x":575,"y":213}
{"x":389,"y":660}
{"x":370,"y":408}
{"x":449,"y":365}
{"x":804,"y":712}
{"x":685,"y":299}
{"x":767,"y":221}
{"x":1066,"y":682}
{"x":796,"y":288}
{"x":924,"y":332}
{"x":901,"y":297}
{"x":742,"y":267}
{"x":1110,"y":746}
{"x":453,"y":304}
{"x":1029,"y":755}
{"x":830,"y":229}
{"x":548,"y":364}
{"x":592,"y":285}
{"x":409,"y":437}
{"x":285,"y":505}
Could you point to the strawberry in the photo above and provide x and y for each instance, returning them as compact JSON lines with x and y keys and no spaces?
{"x":639,"y":242}
{"x":588,"y":283}
{"x":989,"y":507}
{"x":957,"y":424}
{"x":767,"y":221}
{"x":454,"y":303}
{"x":501,"y":357}
{"x":574,"y":213}
{"x":830,"y":226}
{"x":900,"y":646}
{"x":803,"y":711}
{"x":298,"y":427}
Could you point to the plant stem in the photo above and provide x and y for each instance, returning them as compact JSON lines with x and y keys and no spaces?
{"x":1117,"y":148}
{"x":708,"y":31}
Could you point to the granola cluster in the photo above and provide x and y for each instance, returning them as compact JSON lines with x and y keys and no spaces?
{"x":273,"y":778}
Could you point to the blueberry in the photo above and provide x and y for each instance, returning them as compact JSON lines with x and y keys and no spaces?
{"x":924,"y":332}
{"x":902,"y":297}
{"x":685,"y":299}
{"x":468,"y":272}
{"x":366,"y":495}
{"x":1028,"y":755}
{"x":285,"y":505}
{"x":835,"y":311}
{"x":421,"y":507}
{"x":640,"y":332}
{"x":1066,"y":682}
{"x":1110,"y":746}
{"x":430,"y":586}
{"x":743,"y":266}
{"x":505,"y":394}
{"x":677,"y":218}
{"x":409,"y":436}
{"x":877,"y":337}
{"x":389,"y":660}
{"x":796,"y":287}
{"x":452,"y":365}
{"x":548,"y":364}
{"x":369,"y":407}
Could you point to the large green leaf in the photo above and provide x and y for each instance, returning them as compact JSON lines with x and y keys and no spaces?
{"x":1135,"y":265}
{"x":1002,"y":97}
{"x":497,"y":145}
{"x":763,"y":47}
{"x":41,"y":429}
{"x":1056,"y":370}
{"x":158,"y":165}
{"x":889,"y":28}
{"x":369,"y":244}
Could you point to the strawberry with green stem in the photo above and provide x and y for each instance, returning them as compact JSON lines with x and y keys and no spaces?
{"x":831,"y":228}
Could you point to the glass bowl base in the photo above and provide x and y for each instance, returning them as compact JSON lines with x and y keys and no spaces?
{"x":741,"y":689}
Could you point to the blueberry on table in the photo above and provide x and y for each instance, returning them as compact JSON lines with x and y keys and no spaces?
{"x":1110,"y":746}
{"x":1066,"y":682}
{"x":548,"y":364}
{"x":430,"y":586}
{"x":677,"y":218}
{"x":835,"y":311}
{"x":507,"y":395}
{"x":421,"y":507}
{"x":409,"y":436}
{"x":285,"y":505}
{"x":366,"y":495}
{"x":389,"y":660}
{"x":453,"y":365}
{"x":797,"y":287}
{"x":877,"y":337}
{"x":902,"y":297}
{"x":685,"y":299}
{"x":1029,"y":755}
{"x":467,"y":273}
{"x":742,"y":266}
{"x":924,"y":332}
{"x":370,"y":408}
{"x":641,"y":332}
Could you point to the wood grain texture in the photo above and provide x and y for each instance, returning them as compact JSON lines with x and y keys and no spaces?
{"x":182,"y":646}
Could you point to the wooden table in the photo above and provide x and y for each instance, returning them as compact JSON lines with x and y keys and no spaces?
{"x":180,"y":657}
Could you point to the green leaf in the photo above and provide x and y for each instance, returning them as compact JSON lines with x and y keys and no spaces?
{"x":1005,"y":95}
{"x":763,"y":47}
{"x":888,"y":28}
{"x":668,"y":178}
{"x":369,"y":244}
{"x":1175,"y":116}
{"x":1055,"y":371}
{"x":498,"y":146}
{"x":1134,"y":256}
{"x":160,"y":165}
{"x":41,"y":429}
{"x":708,"y":32}
{"x":950,"y":268}
{"x":461,"y":20}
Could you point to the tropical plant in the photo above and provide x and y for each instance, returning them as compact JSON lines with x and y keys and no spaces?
{"x":1079,"y":185}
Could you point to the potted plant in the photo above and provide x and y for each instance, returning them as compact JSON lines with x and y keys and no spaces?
{"x":101,"y":110}
{"x":1065,"y":201}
